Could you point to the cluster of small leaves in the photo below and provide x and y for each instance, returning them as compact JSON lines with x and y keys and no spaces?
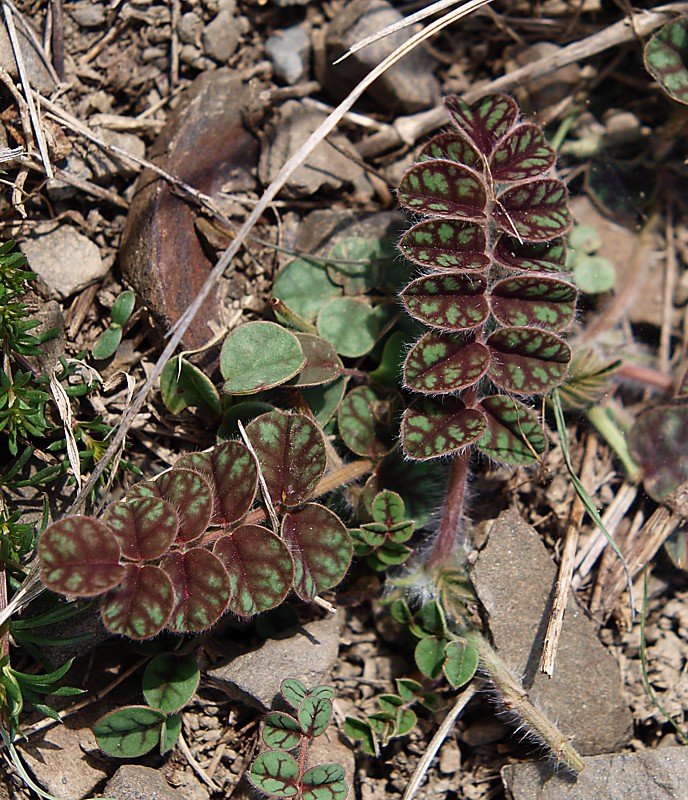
{"x":148,"y":558}
{"x":490,"y":245}
{"x":382,"y":541}
{"x":169,"y":682}
{"x":120,"y":313}
{"x":276,"y":772}
{"x":395,"y":717}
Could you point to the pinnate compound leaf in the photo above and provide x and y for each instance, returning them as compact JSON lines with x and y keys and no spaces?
{"x":232,"y":474}
{"x":461,"y":663}
{"x":432,"y":428}
{"x":514,"y":434}
{"x":443,"y":188}
{"x":325,"y":782}
{"x":658,"y":441}
{"x":486,"y":121}
{"x":453,"y":147}
{"x":366,"y":421}
{"x":351,"y":325}
{"x":534,"y":300}
{"x":530,"y":256}
{"x":145,"y":527}
{"x":320,"y":546}
{"x":79,"y":556}
{"x":449,"y":301}
{"x":446,"y":244}
{"x":322,"y":362}
{"x":275,"y":773}
{"x":527,"y":360}
{"x":522,"y":154}
{"x":129,"y":732}
{"x":429,"y":655}
{"x":281,"y":731}
{"x":259,"y":566}
{"x":201,"y":588}
{"x":141,"y":605}
{"x":293,"y":691}
{"x":190,"y":493}
{"x":443,"y":363}
{"x":291,"y":453}
{"x":666,"y":58}
{"x":170,"y":681}
{"x":315,"y":714}
{"x":535,"y":211}
{"x":183,"y":385}
{"x":258,"y":356}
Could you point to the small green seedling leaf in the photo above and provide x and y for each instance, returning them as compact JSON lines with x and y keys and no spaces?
{"x":281,"y":731}
{"x":170,"y":681}
{"x":123,"y":308}
{"x":461,"y":663}
{"x":429,"y":655}
{"x":322,"y":362}
{"x":325,"y":782}
{"x":182,"y":385}
{"x":79,"y":556}
{"x":594,"y":274}
{"x":129,"y":732}
{"x":352,"y":325}
{"x":315,"y":714}
{"x":109,"y":340}
{"x":171,"y":730}
{"x":666,"y":58}
{"x":305,"y":287}
{"x":275,"y":773}
{"x":273,"y":353}
{"x":361,"y":730}
{"x":293,"y":691}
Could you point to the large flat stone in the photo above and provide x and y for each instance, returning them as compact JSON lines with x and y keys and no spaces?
{"x":513,"y":577}
{"x":205,"y":144}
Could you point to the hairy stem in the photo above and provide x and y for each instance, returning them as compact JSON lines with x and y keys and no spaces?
{"x":451,"y":532}
{"x":516,"y":700}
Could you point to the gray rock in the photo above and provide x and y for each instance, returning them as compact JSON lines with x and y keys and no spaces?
{"x":88,"y":14}
{"x":105,"y":166}
{"x":65,"y":260}
{"x":513,"y":578}
{"x":407,"y":87}
{"x":289,"y":51}
{"x":134,"y":782}
{"x":327,"y":168}
{"x":75,"y":166}
{"x":306,"y":653}
{"x":38,"y":73}
{"x":220,"y":37}
{"x":647,"y":775}
{"x":59,"y":757}
{"x":190,"y":28}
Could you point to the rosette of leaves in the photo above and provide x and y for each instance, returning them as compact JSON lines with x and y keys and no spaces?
{"x":383,"y":539}
{"x":179,"y":551}
{"x":491,"y":294}
{"x":276,"y":772}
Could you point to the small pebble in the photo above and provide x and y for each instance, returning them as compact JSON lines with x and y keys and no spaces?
{"x":289,"y":52}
